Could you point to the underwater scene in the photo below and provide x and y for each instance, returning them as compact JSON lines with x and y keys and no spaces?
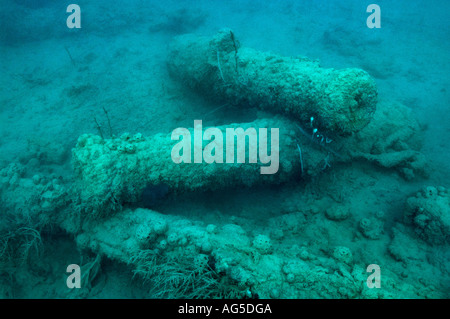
{"x":235,"y":149}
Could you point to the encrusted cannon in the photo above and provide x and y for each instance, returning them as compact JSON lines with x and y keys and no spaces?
{"x":341,"y":101}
